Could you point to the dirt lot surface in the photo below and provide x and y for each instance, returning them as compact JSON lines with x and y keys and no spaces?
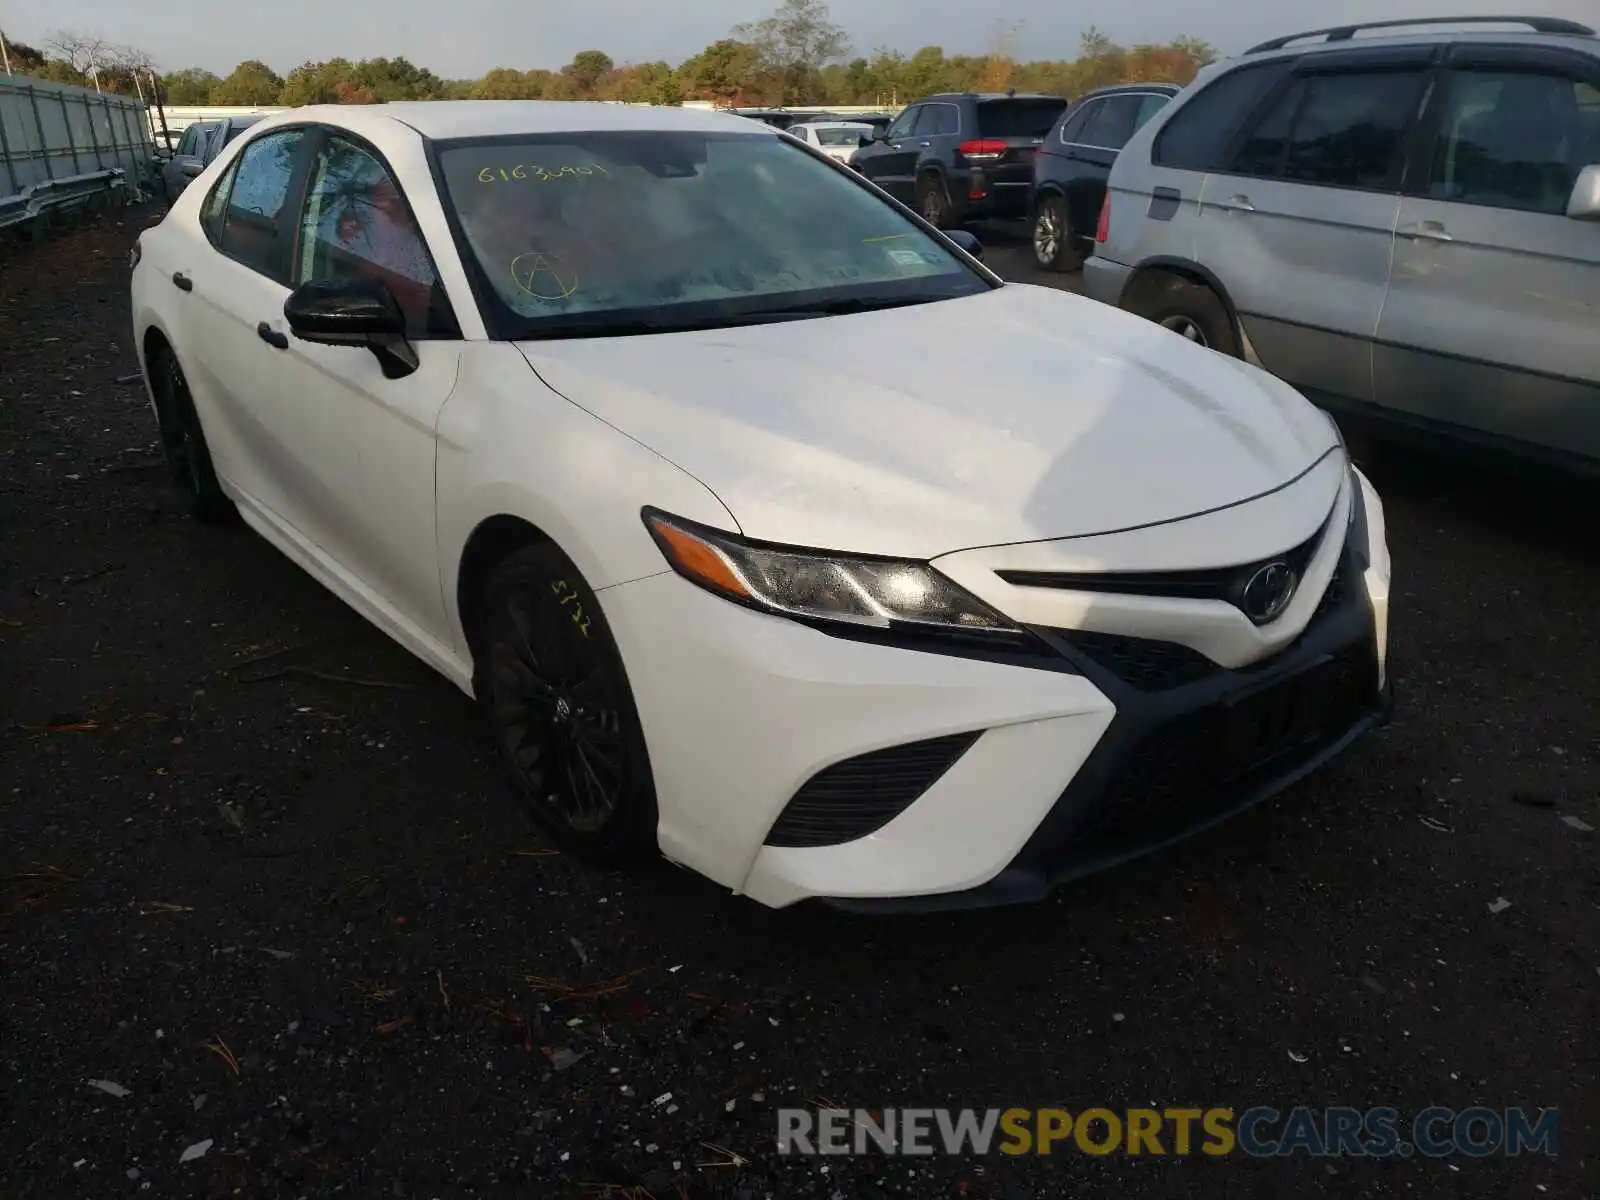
{"x":303,"y":924}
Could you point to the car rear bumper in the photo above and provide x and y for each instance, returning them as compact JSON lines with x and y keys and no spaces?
{"x":1104,"y":279}
{"x":981,"y":196}
{"x":791,"y":764}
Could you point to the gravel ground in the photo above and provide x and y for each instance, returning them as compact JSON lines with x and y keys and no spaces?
{"x":303,"y":924}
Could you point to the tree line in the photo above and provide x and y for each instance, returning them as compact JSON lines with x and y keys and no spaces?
{"x":795,"y":56}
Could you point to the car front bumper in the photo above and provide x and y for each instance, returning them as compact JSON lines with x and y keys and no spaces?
{"x":1065,"y":766}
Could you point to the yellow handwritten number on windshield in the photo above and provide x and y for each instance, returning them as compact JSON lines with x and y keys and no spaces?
{"x":534,"y":171}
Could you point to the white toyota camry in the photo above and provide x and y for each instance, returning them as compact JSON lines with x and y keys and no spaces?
{"x":773,"y":532}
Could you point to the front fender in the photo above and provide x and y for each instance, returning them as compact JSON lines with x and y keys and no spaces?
{"x":509,"y":445}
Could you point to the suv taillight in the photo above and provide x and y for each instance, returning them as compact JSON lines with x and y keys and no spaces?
{"x":983,"y":148}
{"x":1102,"y":229}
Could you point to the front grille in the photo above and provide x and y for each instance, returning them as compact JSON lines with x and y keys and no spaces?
{"x":1144,"y":663}
{"x":860,"y":795}
{"x":1184,"y":773}
{"x":1213,"y":583}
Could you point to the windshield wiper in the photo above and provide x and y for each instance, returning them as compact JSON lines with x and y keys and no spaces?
{"x":634,"y":327}
{"x":831,"y":308}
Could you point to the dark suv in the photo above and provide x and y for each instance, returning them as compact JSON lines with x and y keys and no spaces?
{"x":962,"y":156}
{"x":1071,"y":168}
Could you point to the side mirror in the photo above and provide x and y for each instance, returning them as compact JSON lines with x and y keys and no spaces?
{"x":1585,"y":202}
{"x":967,"y":240}
{"x":353,"y":313}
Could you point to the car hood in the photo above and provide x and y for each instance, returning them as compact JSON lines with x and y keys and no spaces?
{"x":1019,"y":414}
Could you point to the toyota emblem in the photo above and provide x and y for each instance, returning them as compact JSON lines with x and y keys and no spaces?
{"x":1269,"y":591}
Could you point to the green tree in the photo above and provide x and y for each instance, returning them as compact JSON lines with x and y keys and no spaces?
{"x":722,"y":72}
{"x":395,"y":79}
{"x":800,"y":34}
{"x":251,"y":82}
{"x":192,"y":85}
{"x":506,"y":83}
{"x":586,"y":70}
{"x":314,"y":82}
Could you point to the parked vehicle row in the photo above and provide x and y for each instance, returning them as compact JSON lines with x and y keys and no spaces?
{"x":198,"y":146}
{"x":666,"y":440}
{"x":962,"y":156}
{"x":1404,"y":227}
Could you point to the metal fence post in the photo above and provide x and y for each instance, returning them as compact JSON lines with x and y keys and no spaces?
{"x":94,"y":138}
{"x":38,"y":122}
{"x":5,"y":148}
{"x":72,"y":140}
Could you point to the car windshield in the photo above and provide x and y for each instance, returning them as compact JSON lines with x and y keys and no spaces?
{"x":841,"y":137}
{"x":585,"y":234}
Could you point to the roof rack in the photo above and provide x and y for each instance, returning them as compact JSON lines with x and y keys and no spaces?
{"x":1343,"y":33}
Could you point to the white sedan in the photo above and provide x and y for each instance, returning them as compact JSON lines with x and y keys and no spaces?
{"x":773,"y":532}
{"x":836,"y":139}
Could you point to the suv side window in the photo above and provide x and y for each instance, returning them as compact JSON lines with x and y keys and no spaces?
{"x":358,"y":226}
{"x":1072,"y":131}
{"x":1198,"y":135}
{"x":939,"y":119}
{"x":1514,"y":140}
{"x":1335,"y":130}
{"x":904,"y":123}
{"x":1113,"y":124}
{"x":251,"y":231}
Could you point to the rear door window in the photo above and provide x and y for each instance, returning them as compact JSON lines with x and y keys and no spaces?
{"x":1030,"y":118}
{"x":1199,"y":133}
{"x":253,"y":228}
{"x":1112,"y":123}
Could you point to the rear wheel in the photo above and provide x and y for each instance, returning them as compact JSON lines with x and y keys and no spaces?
{"x":183,"y":441}
{"x":1054,"y":247}
{"x":552,"y":681}
{"x":933,"y":202}
{"x":1191,"y":310}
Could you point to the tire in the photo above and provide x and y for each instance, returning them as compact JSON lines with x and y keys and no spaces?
{"x":184,"y":442}
{"x":1054,"y":247}
{"x":933,"y":201}
{"x":1192,"y":311}
{"x":553,"y":686}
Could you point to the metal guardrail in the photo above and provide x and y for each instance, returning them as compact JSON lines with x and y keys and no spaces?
{"x":59,"y":193}
{"x":62,"y":146}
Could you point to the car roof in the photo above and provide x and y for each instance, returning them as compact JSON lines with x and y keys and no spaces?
{"x":1113,"y":89}
{"x":984,"y":97}
{"x":1422,"y":33}
{"x":829,"y":125}
{"x":443,"y":120}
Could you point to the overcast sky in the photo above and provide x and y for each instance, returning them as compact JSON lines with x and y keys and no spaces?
{"x":464,"y":38}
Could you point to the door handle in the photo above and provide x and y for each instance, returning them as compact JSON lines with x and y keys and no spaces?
{"x":1241,"y":204}
{"x":182,"y":282}
{"x":1433,"y":231}
{"x":927,"y":143}
{"x":271,"y":336}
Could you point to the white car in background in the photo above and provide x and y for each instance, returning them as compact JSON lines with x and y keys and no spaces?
{"x":773,"y":532}
{"x":836,"y":139}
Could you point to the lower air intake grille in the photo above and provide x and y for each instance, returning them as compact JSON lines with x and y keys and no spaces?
{"x":855,"y":797}
{"x":1144,"y":663}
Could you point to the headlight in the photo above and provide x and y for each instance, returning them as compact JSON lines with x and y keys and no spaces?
{"x":873,"y":593}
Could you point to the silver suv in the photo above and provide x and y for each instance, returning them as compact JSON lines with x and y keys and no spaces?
{"x":1404,"y":226}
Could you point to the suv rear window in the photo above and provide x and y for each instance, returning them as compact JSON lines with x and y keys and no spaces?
{"x":1199,"y":132}
{"x":1018,"y":118}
